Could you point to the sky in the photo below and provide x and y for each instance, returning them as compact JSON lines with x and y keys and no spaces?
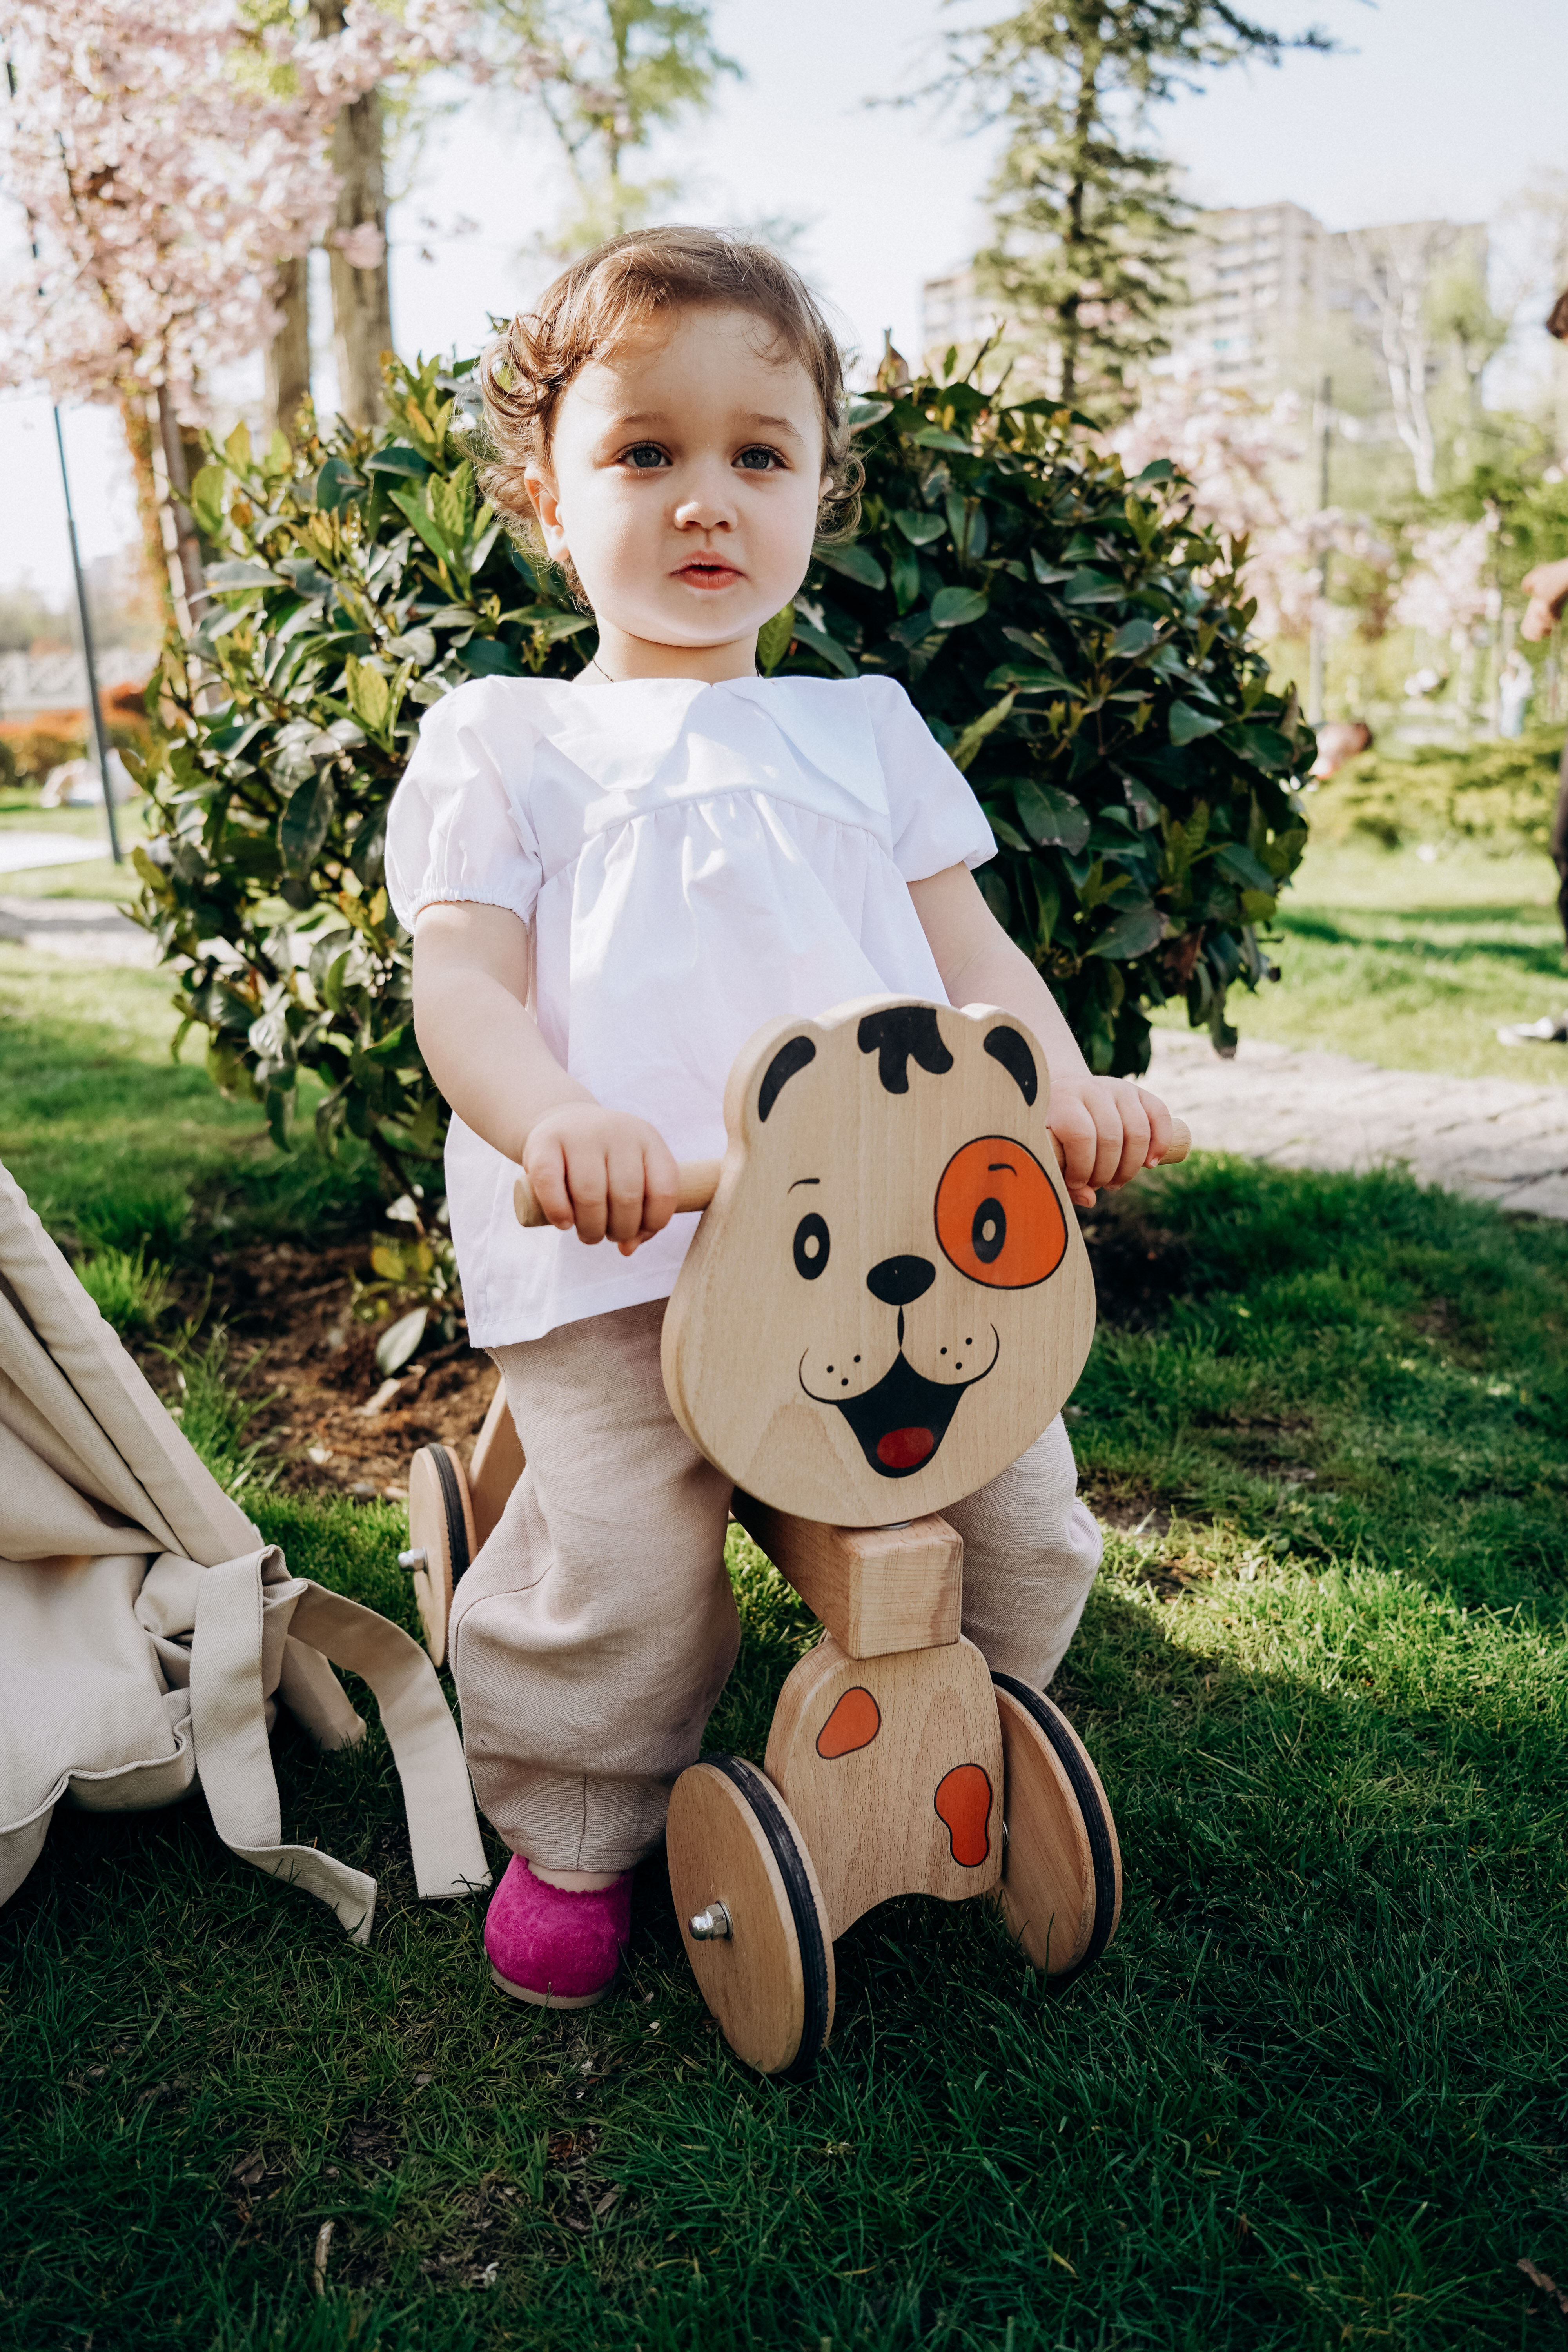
{"x":1431,"y":108}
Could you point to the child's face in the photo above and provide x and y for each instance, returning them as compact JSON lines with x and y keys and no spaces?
{"x":684,"y":480}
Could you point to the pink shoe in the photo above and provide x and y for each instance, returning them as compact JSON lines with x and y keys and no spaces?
{"x":553,"y":1946}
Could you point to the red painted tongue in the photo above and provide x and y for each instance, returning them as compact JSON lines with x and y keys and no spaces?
{"x":904,"y":1449}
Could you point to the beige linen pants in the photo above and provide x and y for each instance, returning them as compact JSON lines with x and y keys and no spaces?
{"x":594,"y":1632}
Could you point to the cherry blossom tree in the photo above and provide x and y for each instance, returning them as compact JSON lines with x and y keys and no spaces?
{"x":1242,"y":455}
{"x":167,"y":155}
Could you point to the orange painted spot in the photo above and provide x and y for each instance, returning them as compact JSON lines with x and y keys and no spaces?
{"x":997,"y":1215}
{"x":963,"y":1808}
{"x":854,"y":1723}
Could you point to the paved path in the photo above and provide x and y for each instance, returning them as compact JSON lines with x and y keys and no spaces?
{"x":87,"y":930}
{"x":21,"y":852}
{"x":1495,"y":1138}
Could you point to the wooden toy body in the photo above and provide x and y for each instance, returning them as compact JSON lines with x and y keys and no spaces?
{"x":892,"y":1768}
{"x":885,"y":1305}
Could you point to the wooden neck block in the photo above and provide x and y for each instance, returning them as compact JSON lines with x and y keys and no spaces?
{"x":877,"y":1589}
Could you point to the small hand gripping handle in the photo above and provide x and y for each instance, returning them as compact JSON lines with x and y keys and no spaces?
{"x":697,"y":1181}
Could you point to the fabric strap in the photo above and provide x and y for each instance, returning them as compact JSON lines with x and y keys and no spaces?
{"x":227,"y":1716}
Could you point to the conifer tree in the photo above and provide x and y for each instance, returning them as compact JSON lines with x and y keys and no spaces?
{"x":1088,"y":219}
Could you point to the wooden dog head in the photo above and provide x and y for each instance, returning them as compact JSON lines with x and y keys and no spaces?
{"x":889,"y":1299}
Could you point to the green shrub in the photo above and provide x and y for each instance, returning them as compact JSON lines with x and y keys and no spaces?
{"x":1076,"y":640}
{"x":1500,"y":793}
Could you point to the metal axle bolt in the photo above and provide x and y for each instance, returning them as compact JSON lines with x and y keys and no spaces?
{"x":413,"y":1559}
{"x":712,"y":1924}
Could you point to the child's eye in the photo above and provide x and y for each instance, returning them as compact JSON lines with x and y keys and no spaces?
{"x":759,"y":461}
{"x":644,"y":456}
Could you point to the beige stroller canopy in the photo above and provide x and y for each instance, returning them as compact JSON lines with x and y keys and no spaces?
{"x":147,"y":1633}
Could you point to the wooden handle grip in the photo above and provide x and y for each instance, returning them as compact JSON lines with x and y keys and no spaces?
{"x":697,"y":1181}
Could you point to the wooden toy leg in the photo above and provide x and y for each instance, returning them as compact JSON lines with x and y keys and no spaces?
{"x":495,"y":1465}
{"x":752,"y":1915}
{"x":440,"y":1538}
{"x":1061,"y":1877}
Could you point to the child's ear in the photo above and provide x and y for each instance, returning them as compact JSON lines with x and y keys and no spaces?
{"x":540,"y":483}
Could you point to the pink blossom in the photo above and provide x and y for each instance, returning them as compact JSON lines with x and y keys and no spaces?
{"x":1237,"y":450}
{"x":167,"y":158}
{"x":1446,"y":591}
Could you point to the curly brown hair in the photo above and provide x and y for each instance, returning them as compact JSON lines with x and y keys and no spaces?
{"x":593,"y":311}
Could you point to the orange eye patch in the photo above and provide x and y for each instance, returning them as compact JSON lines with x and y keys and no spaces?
{"x":997,"y":1215}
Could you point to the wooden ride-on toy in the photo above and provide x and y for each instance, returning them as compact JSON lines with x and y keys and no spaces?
{"x":887,"y":1301}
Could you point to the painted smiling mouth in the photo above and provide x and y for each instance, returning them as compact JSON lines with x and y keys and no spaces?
{"x":902,"y":1422}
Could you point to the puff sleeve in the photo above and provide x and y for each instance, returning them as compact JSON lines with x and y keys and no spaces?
{"x":936,"y":820}
{"x":458,"y":827}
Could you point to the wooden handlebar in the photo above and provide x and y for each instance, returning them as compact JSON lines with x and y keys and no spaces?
{"x":697,"y":1181}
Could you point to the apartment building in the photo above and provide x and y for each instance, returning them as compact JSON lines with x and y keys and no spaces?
{"x":1268,"y":288}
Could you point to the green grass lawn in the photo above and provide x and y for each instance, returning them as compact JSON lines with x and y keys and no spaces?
{"x":112,"y":1140}
{"x":1413,"y":965}
{"x":1314,"y":2094}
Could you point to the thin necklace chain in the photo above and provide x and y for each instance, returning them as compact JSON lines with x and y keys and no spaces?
{"x":596,"y":663}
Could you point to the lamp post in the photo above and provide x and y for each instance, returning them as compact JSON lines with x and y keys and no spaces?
{"x":99,"y":738}
{"x":100,"y":741}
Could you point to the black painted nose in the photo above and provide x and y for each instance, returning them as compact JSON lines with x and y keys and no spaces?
{"x":898,"y":1280}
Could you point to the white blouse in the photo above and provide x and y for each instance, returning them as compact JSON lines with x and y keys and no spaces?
{"x":691,"y":861}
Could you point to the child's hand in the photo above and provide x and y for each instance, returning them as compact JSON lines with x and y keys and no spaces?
{"x":1108,"y":1128}
{"x":604,"y":1171}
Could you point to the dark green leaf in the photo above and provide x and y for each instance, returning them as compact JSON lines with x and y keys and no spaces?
{"x":1266,"y":747}
{"x":867,"y":411}
{"x":1160,"y":471}
{"x":337,"y":485}
{"x":854,"y":564}
{"x":931,"y":436}
{"x":920,"y":529}
{"x":1054,"y":818}
{"x":830,"y":648}
{"x":1188,"y":724}
{"x":1133,"y":637}
{"x":1092,"y":588}
{"x":303,"y":825}
{"x":955,"y":606}
{"x":1238,"y":864}
{"x":488,"y":658}
{"x":399,"y":457}
{"x":1132,"y":932}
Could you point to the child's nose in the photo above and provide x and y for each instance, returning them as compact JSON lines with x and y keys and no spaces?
{"x":707,"y":505}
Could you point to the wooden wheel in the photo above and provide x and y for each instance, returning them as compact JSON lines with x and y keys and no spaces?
{"x":1061,"y":1877}
{"x":736,"y":1856}
{"x":440,"y":1538}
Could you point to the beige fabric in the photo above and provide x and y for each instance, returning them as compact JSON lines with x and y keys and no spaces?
{"x":594,"y":1632}
{"x":146,"y":1630}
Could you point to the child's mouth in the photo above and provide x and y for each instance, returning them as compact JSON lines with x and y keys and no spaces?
{"x":708,"y":573}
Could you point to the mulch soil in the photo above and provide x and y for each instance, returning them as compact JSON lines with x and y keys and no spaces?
{"x":333,"y":1421}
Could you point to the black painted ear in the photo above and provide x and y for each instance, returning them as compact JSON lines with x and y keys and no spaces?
{"x":900,"y":1034}
{"x":792,"y":1056}
{"x":1005,"y":1046}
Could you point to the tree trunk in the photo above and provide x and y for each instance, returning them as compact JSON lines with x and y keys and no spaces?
{"x":133,"y":409}
{"x":361,"y":298}
{"x":187,"y":574}
{"x":288,"y":352}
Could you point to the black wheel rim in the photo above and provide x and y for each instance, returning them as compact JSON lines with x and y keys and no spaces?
{"x":1064,"y":1746}
{"x":758,"y":1793}
{"x":449,"y":1479}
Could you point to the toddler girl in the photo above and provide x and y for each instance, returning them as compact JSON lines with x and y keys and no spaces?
{"x":611,"y":884}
